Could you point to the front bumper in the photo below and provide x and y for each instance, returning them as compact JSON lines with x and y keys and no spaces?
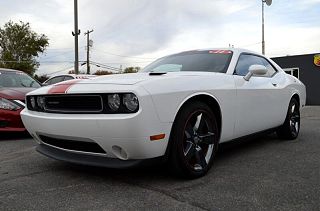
{"x":10,"y":121}
{"x":121,"y":136}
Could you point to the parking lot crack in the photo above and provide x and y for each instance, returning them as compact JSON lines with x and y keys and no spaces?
{"x":168,"y":194}
{"x":16,"y":155}
{"x":24,"y":175}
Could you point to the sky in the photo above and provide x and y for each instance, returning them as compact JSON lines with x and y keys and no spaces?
{"x":136,"y":32}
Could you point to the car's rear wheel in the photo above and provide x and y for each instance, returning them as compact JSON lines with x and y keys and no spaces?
{"x":291,"y":127}
{"x":194,"y":138}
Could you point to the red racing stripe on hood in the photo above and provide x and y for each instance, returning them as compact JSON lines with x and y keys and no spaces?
{"x":62,"y":88}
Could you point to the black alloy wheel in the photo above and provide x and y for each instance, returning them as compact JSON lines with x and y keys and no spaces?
{"x":291,"y":127}
{"x":195,"y":138}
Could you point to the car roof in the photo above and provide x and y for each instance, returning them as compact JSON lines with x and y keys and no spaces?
{"x":2,"y":70}
{"x":74,"y":75}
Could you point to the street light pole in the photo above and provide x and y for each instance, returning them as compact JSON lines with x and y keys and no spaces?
{"x":75,"y":34}
{"x":263,"y":42}
{"x":268,"y":2}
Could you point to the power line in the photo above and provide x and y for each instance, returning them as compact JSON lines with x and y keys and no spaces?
{"x":58,"y":49}
{"x":113,"y":54}
{"x":119,"y":63}
{"x":105,"y":66}
{"x":60,"y":54}
{"x":60,"y":70}
{"x":250,"y":44}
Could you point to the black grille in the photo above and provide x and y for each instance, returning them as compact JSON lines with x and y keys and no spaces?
{"x":73,"y":145}
{"x":74,"y":104}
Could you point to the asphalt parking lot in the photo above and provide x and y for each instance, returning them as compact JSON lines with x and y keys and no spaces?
{"x":259,"y":174}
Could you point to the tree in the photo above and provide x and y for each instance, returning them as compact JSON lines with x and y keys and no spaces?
{"x":131,"y":69}
{"x":103,"y":72}
{"x":20,"y":46}
{"x":74,"y":72}
{"x":41,"y":78}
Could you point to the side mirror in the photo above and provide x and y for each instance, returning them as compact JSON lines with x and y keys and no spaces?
{"x":255,"y":70}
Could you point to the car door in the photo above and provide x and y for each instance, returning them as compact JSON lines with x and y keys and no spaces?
{"x":257,"y":106}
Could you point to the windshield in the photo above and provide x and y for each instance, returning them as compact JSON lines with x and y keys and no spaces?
{"x":17,"y":79}
{"x":202,"y":61}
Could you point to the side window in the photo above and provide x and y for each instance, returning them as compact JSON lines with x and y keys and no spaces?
{"x":245,"y":61}
{"x":55,"y":80}
{"x":67,"y":78}
{"x":271,"y":70}
{"x":49,"y":82}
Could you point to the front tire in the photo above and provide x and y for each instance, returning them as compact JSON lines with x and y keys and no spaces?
{"x":291,"y":127}
{"x":194,"y":138}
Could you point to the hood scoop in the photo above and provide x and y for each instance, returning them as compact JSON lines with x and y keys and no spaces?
{"x":157,"y":73}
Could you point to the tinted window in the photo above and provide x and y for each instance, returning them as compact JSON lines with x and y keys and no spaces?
{"x":271,"y":70}
{"x":245,"y":61}
{"x":67,"y":78}
{"x":17,"y":79}
{"x":205,"y":61}
{"x":55,"y":80}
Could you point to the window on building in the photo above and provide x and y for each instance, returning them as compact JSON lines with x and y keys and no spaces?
{"x":292,"y":71}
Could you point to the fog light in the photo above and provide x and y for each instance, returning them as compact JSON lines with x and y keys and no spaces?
{"x":119,"y":152}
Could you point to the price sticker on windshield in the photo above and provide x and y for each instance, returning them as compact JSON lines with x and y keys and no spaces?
{"x":220,"y":51}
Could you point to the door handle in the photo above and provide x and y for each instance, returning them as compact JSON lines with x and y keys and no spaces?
{"x":274,"y":84}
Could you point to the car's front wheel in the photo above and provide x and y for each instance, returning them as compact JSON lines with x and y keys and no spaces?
{"x":291,"y":127}
{"x":194,"y":138}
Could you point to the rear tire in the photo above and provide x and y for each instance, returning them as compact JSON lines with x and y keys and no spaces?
{"x":291,"y":127}
{"x":194,"y":139}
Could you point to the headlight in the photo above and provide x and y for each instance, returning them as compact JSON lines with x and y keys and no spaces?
{"x":33,"y":102}
{"x":130,"y":101}
{"x":40,"y":102}
{"x":114,"y":101}
{"x":8,"y":105}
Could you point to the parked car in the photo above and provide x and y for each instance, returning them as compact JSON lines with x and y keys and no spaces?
{"x":66,"y":77}
{"x":179,"y":108}
{"x":14,"y":85}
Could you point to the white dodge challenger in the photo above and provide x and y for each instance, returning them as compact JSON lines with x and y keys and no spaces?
{"x":177,"y":109}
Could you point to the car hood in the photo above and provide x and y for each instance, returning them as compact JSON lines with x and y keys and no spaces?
{"x":127,"y":82}
{"x":14,"y":93}
{"x":135,"y":78}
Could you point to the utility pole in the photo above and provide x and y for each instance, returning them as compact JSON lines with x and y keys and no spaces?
{"x":75,"y":34}
{"x":88,"y":49}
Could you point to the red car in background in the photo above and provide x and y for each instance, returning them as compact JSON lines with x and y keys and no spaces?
{"x":14,"y":85}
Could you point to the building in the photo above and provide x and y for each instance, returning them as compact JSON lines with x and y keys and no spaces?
{"x":307,"y":69}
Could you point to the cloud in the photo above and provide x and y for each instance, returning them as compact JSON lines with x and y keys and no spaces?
{"x":144,"y":29}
